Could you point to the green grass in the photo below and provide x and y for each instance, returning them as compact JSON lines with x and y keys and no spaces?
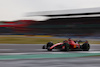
{"x":25,"y":40}
{"x":30,"y":40}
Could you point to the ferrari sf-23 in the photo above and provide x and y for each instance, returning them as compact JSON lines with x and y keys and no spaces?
{"x":68,"y":45}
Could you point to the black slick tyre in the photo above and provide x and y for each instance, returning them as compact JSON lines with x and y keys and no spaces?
{"x":49,"y":49}
{"x":85,"y":47}
{"x":49,"y":44}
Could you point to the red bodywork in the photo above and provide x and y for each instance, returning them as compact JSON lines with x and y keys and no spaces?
{"x":72,"y":44}
{"x":55,"y":45}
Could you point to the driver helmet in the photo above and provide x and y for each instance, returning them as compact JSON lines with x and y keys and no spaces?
{"x":86,"y":41}
{"x":69,"y":39}
{"x":65,"y":41}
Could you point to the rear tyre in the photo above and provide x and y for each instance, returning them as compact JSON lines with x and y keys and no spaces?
{"x":85,"y":47}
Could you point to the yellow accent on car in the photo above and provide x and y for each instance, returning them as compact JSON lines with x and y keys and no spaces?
{"x":74,"y":46}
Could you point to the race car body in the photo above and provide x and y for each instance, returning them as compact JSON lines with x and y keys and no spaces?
{"x":66,"y":46}
{"x":73,"y":45}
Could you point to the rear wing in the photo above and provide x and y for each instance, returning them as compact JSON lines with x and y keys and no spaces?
{"x":80,"y":41}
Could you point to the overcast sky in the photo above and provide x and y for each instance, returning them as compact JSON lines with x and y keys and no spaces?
{"x":16,"y":9}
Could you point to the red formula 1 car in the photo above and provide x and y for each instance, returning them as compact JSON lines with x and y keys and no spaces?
{"x":67,"y":45}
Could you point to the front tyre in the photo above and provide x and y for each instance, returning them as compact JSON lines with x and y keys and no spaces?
{"x":49,"y":44}
{"x":49,"y":49}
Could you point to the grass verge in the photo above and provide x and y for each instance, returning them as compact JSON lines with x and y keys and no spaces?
{"x":32,"y":40}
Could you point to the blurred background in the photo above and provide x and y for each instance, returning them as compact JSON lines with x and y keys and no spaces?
{"x":81,"y":24}
{"x":58,"y":19}
{"x":27,"y":25}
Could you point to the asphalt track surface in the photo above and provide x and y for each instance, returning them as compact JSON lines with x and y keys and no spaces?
{"x":55,"y":62}
{"x":36,"y":49}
